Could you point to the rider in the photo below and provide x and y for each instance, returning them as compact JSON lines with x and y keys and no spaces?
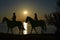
{"x":35,"y":18}
{"x":14,"y":17}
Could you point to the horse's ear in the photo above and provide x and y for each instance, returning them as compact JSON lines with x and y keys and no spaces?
{"x":4,"y":17}
{"x":27,"y":16}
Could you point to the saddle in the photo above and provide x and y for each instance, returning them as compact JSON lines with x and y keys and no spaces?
{"x":36,"y":22}
{"x":13,"y":22}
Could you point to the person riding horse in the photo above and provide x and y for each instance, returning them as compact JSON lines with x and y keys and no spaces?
{"x":36,"y":19}
{"x":14,"y":17}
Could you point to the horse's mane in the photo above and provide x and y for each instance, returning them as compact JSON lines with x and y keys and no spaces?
{"x":6,"y":18}
{"x":30,"y":18}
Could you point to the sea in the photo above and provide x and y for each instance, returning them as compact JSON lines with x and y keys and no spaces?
{"x":4,"y":28}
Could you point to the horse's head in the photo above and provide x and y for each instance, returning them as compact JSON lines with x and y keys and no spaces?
{"x":27,"y":19}
{"x":4,"y":19}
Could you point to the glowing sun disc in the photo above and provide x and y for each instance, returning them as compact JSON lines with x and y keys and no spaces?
{"x":25,"y":12}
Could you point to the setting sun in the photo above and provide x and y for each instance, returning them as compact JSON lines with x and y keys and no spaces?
{"x":25,"y":12}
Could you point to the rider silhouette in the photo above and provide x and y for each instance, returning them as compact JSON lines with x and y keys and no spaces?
{"x":35,"y":18}
{"x":14,"y":17}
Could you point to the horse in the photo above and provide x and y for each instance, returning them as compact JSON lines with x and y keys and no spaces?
{"x":40,"y":23}
{"x":11,"y":24}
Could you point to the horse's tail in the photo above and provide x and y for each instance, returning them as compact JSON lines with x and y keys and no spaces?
{"x":23,"y":27}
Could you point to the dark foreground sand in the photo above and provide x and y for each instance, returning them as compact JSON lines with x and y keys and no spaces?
{"x":7,"y":36}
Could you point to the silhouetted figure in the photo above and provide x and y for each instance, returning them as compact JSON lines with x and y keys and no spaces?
{"x":14,"y":17}
{"x":35,"y":18}
{"x":11,"y":25}
{"x":40,"y":23}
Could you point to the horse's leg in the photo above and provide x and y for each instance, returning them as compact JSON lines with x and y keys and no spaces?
{"x":42,"y":31}
{"x":31,"y":30}
{"x":19,"y":30}
{"x":22,"y":29}
{"x":35,"y":30}
{"x":8,"y":30}
{"x":11,"y":30}
{"x":45,"y":27}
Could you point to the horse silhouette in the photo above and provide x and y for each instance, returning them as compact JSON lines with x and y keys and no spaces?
{"x":11,"y":24}
{"x":34,"y":24}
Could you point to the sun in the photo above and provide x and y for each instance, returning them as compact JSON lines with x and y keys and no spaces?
{"x":25,"y":12}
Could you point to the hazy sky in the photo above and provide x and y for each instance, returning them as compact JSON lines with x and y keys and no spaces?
{"x":41,"y":7}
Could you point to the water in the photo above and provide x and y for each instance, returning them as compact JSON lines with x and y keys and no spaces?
{"x":25,"y":26}
{"x":50,"y":29}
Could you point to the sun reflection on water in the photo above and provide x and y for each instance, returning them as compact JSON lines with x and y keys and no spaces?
{"x":25,"y":26}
